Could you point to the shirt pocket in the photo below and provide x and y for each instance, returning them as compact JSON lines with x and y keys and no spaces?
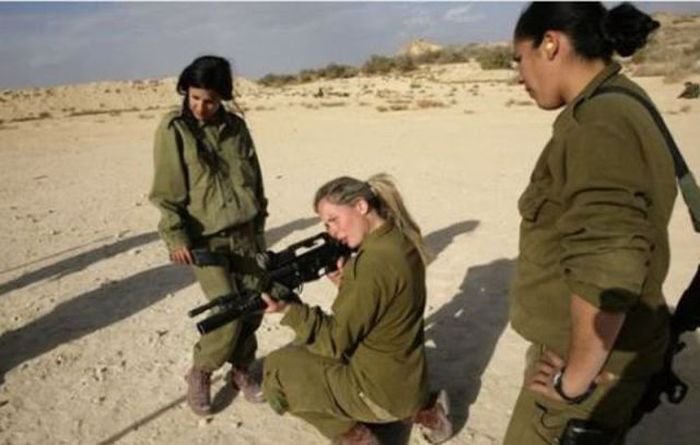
{"x":539,"y":238}
{"x":531,"y":202}
{"x":239,"y":156}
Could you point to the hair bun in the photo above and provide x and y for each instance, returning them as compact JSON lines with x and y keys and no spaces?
{"x":627,"y":28}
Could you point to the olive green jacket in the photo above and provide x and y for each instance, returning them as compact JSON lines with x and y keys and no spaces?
{"x":193,"y":200}
{"x":595,"y":224}
{"x":377,"y":323}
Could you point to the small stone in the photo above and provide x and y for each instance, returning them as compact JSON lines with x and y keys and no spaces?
{"x":204,"y":421}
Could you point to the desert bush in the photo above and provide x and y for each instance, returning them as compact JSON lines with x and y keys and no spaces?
{"x":334,"y":104}
{"x":336,"y":71}
{"x":495,"y":58}
{"x":378,"y":65}
{"x":404,"y":64}
{"x":25,"y":119}
{"x":429,"y":103}
{"x":306,"y":76}
{"x":277,"y":80}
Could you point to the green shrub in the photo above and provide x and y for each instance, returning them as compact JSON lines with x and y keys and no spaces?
{"x":378,"y":65}
{"x":336,"y":71}
{"x":277,"y":80}
{"x":495,"y":58}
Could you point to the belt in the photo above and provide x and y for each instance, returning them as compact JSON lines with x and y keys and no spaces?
{"x":233,"y":230}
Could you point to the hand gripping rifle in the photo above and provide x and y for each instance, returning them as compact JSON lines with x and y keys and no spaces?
{"x":686,"y":318}
{"x":302,"y":262}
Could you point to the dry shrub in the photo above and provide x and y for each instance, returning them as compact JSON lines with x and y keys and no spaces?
{"x":468,"y":111}
{"x":277,"y":80}
{"x":385,"y":65}
{"x":429,"y":103}
{"x":398,"y":107}
{"x":382,"y":108}
{"x":495,"y":57}
{"x":146,"y":116}
{"x":334,"y":104}
{"x":337,"y":71}
{"x":29,"y":118}
{"x":685,"y":109}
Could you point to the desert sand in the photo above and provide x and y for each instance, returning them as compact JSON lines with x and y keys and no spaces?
{"x":95,"y":337}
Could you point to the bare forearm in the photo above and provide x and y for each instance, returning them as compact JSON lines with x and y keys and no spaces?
{"x":593,"y":334}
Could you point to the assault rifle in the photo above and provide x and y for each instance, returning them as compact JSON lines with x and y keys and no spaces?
{"x":302,"y":262}
{"x":686,"y":318}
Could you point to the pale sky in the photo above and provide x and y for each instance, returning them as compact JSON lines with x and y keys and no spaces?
{"x":43,"y":44}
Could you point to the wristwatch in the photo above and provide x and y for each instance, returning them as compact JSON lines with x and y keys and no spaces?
{"x":557,"y":383}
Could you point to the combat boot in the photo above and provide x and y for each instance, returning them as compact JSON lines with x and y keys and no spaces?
{"x":358,"y":435}
{"x":198,"y":391}
{"x":242,"y":381}
{"x":434,"y":421}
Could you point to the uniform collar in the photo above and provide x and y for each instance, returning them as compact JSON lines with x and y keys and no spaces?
{"x":219,"y":120}
{"x":566,"y":117}
{"x":376,"y":234}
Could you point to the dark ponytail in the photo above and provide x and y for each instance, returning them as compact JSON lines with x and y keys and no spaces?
{"x":594,"y":31}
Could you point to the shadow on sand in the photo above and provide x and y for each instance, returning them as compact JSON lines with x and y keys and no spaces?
{"x":462,"y":334}
{"x":78,"y":262}
{"x":465,"y":332}
{"x":101,"y":307}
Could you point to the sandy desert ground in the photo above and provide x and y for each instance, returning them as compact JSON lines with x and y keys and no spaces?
{"x":95,"y":337}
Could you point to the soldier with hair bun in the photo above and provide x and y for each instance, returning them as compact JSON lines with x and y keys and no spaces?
{"x":594,"y":250}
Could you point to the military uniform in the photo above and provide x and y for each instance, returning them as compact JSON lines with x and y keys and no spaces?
{"x":366,"y":361}
{"x":223,"y":210}
{"x":594,"y":224}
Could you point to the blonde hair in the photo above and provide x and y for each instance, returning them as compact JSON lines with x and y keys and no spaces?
{"x":381,"y":194}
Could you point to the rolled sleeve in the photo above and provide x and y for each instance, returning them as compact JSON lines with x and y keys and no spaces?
{"x":606,"y":235}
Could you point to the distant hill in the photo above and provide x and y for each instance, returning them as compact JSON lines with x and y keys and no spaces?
{"x":418,"y":48}
{"x":673,"y":51}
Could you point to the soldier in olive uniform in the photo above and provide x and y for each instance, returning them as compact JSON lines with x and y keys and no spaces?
{"x":208,"y":188}
{"x":594,"y":247}
{"x":365,"y":362}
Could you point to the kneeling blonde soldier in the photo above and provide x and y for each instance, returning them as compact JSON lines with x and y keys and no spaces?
{"x":365,"y":362}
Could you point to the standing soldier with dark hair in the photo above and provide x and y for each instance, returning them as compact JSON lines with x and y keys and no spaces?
{"x":208,"y":187}
{"x":365,"y":362}
{"x":594,"y":248}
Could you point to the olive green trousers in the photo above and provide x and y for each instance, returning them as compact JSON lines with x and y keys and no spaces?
{"x":233,"y":342}
{"x":320,"y":390}
{"x":537,"y":420}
